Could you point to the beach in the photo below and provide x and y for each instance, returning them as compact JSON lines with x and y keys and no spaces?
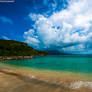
{"x":23,"y":79}
{"x":45,"y":45}
{"x":47,"y":74}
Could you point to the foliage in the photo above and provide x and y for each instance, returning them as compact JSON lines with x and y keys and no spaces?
{"x":15,"y":48}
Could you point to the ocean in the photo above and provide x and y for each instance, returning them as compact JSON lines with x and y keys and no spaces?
{"x":80,"y":64}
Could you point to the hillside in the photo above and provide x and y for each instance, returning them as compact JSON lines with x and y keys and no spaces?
{"x":15,"y":48}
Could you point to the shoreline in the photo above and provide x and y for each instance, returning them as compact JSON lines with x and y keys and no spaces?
{"x":77,"y":75}
{"x":5,"y":58}
{"x":43,"y":79}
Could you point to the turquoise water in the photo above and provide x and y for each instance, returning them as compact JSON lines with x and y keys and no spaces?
{"x":81,"y":64}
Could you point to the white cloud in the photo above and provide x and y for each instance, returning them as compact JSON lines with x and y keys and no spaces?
{"x":71,"y":25}
{"x":30,"y":38}
{"x":5,"y":37}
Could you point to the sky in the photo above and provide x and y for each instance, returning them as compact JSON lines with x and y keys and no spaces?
{"x":63,"y":26}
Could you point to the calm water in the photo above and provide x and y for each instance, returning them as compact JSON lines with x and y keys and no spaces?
{"x":65,"y":63}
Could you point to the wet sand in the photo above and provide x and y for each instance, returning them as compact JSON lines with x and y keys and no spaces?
{"x":20,"y":79}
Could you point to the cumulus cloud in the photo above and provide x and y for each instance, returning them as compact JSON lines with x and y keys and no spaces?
{"x":31,"y":38}
{"x":68,"y":30}
{"x":6,"y":20}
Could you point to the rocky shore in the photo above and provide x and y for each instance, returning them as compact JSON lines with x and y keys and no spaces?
{"x":4,"y":58}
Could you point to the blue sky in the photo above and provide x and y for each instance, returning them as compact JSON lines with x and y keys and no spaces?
{"x":55,"y":25}
{"x":14,"y":19}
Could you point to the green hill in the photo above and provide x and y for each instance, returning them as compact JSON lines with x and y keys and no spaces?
{"x":15,"y":48}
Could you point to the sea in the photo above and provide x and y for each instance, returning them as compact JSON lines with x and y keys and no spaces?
{"x":68,"y":63}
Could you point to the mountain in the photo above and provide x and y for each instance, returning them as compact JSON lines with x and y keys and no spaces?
{"x":15,"y":48}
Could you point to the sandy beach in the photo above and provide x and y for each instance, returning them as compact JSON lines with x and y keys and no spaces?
{"x":22,"y":79}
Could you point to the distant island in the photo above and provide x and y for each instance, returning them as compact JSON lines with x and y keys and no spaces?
{"x":11,"y":49}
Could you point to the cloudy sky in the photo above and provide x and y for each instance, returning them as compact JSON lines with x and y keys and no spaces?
{"x":64,"y":26}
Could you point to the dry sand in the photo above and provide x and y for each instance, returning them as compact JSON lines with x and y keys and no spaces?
{"x":18,"y":79}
